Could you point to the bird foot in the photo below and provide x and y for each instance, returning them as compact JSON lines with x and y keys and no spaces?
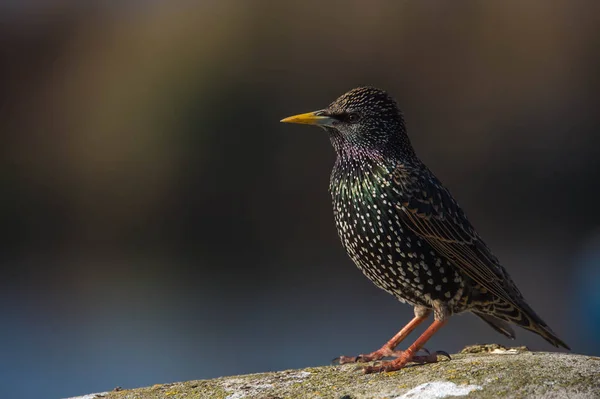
{"x":404,"y":359}
{"x":377,"y":355}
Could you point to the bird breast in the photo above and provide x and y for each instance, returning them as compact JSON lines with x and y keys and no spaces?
{"x":368,"y":221}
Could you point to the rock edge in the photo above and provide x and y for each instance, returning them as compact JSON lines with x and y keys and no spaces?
{"x":484,"y":371}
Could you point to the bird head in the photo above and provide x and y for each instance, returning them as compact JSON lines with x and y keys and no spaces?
{"x":365,"y":119}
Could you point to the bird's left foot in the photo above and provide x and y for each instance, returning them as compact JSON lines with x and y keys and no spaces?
{"x":404,"y":359}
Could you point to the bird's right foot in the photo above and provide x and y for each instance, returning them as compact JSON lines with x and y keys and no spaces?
{"x":403,"y":360}
{"x":386,"y":352}
{"x":377,"y":355}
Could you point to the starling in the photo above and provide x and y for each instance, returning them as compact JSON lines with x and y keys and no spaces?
{"x":406,"y":233}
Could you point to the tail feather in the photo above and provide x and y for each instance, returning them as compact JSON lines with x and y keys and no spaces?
{"x":532,"y":322}
{"x":524,"y":316}
{"x":499,"y":325}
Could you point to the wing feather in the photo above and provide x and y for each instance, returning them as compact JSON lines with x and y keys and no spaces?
{"x":429,"y":210}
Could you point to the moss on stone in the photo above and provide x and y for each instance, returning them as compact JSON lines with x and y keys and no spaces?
{"x":495,"y":371}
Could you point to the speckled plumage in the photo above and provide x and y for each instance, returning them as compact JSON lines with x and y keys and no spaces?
{"x":402,"y":227}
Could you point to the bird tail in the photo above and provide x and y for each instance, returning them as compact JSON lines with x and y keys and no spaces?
{"x":523,"y":316}
{"x":534,"y":323}
{"x":497,"y":324}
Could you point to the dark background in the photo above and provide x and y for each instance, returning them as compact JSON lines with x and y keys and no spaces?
{"x":160,"y":224}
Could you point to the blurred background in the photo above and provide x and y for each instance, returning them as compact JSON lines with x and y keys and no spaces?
{"x":160,"y":224}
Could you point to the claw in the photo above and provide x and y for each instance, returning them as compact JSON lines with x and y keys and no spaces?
{"x":430,"y":357}
{"x":370,"y":369}
{"x":346,"y":359}
{"x":364,"y":358}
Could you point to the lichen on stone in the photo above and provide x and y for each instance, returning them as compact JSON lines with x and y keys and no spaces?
{"x":523,"y":374}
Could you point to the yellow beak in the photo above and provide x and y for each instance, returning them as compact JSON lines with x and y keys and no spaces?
{"x":310,"y":118}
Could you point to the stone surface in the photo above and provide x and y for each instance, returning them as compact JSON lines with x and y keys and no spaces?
{"x":486,"y":371}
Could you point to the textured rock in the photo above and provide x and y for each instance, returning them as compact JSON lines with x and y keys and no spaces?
{"x":488,"y":371}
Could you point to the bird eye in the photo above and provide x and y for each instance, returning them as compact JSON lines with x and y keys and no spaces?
{"x":353,"y":117}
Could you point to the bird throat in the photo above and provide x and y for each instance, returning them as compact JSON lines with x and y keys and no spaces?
{"x":361,"y":176}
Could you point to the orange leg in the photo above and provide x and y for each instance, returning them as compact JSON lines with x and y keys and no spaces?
{"x":409,"y":355}
{"x":388,"y":348}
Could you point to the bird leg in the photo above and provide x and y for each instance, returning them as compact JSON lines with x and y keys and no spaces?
{"x":409,"y":355}
{"x":388,"y":348}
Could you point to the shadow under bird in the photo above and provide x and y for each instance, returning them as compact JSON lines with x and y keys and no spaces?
{"x":406,"y":233}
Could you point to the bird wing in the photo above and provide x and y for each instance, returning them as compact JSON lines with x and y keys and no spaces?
{"x":428,"y":209}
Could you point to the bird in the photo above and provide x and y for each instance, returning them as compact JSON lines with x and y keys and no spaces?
{"x":406,"y":233}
